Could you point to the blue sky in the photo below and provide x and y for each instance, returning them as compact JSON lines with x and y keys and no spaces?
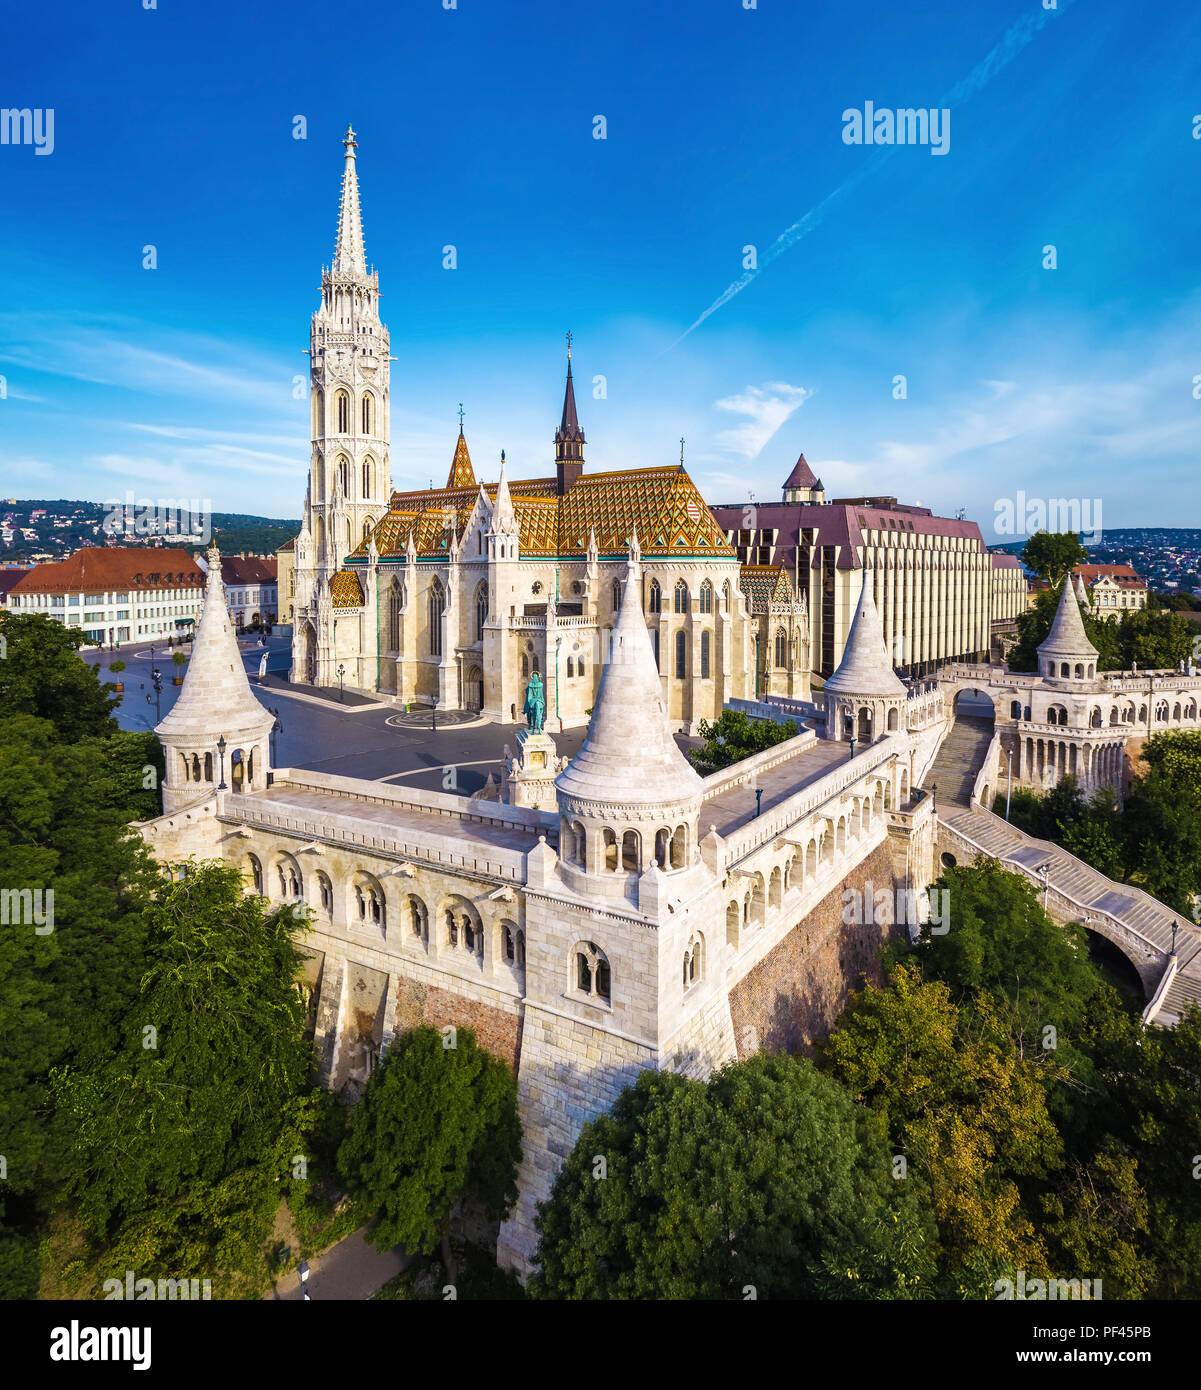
{"x":173,"y":127}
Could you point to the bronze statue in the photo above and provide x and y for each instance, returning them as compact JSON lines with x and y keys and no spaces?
{"x":535,"y":703}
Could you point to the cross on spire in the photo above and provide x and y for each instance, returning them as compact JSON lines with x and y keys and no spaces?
{"x":681,"y":451}
{"x":569,"y":344}
{"x":460,"y":417}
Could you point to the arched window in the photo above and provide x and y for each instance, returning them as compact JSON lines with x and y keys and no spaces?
{"x":656,"y":603}
{"x":318,"y":413}
{"x":725,"y":597}
{"x":706,"y":600}
{"x":694,"y":961}
{"x":616,"y":595}
{"x":418,"y":919}
{"x":344,"y":475}
{"x":208,"y":767}
{"x":1015,"y":709}
{"x":579,"y":666}
{"x":705,"y":655}
{"x":368,"y":476}
{"x":343,"y":413}
{"x":590,"y":970}
{"x":655,"y":646}
{"x":256,"y":873}
{"x":395,"y":604}
{"x":680,"y":655}
{"x":367,"y":412}
{"x":680,"y":597}
{"x":781,"y":648}
{"x":437,"y":602}
{"x":481,"y":611}
{"x":629,"y":850}
{"x":570,"y":667}
{"x":525,"y":666}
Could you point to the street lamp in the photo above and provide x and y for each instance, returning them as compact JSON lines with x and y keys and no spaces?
{"x":1045,"y":874}
{"x":758,"y":800}
{"x":1009,"y":788}
{"x":221,"y":750}
{"x":934,"y":794}
{"x":341,"y":673}
{"x":157,"y":677}
{"x":302,"y":1269}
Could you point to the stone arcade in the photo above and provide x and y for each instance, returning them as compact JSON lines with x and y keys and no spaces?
{"x":645,"y":917}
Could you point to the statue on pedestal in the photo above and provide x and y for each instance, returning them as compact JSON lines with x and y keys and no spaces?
{"x":535,"y":703}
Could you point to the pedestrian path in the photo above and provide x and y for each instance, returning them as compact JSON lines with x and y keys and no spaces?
{"x":349,"y":1271}
{"x":955,"y":768}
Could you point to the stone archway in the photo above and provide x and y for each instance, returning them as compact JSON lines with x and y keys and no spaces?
{"x":308,"y":672}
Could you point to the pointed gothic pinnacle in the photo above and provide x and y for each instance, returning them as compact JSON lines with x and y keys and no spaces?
{"x":350,"y":256}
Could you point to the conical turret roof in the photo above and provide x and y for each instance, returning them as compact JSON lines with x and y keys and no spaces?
{"x":216,"y":697}
{"x":865,"y":668}
{"x":629,"y":756}
{"x":802,"y":475}
{"x":1067,"y":638}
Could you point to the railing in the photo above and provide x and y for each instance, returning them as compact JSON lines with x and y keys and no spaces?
{"x":440,"y":804}
{"x":749,"y":768}
{"x":345,"y":831}
{"x":773,"y":822}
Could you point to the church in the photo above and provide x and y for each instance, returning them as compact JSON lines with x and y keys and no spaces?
{"x":452,"y":597}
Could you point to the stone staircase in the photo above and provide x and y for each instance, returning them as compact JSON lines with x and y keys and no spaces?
{"x":959,"y":759}
{"x":955,"y":770}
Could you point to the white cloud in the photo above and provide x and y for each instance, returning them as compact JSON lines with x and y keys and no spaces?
{"x":768,"y":407}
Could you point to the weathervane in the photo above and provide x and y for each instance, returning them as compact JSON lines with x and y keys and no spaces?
{"x":569,"y":345}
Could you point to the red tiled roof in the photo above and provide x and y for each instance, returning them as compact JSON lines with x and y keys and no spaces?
{"x":247,"y":569}
{"x":1003,"y":560}
{"x":97,"y":570}
{"x":9,"y":578}
{"x":1122,"y":575}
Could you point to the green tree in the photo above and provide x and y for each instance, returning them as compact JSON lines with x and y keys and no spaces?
{"x":195,"y":1118}
{"x":733,"y":736}
{"x":1152,"y":641}
{"x":765,"y":1176}
{"x":43,"y":674}
{"x":437,"y":1125}
{"x":1053,"y":554}
{"x":968,"y":1111}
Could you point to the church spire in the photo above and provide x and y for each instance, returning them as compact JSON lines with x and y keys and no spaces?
{"x":461,"y":472}
{"x":569,"y":438}
{"x":350,"y":257}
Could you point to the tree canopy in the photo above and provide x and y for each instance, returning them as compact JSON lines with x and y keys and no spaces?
{"x":733,"y":736}
{"x":1053,"y":554}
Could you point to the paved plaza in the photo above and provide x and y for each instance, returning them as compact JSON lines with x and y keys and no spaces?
{"x":358,"y":737}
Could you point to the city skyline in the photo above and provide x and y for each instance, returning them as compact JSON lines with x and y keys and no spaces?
{"x":887,"y":261}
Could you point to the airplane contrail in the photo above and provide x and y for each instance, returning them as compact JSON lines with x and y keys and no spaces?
{"x":1000,"y":56}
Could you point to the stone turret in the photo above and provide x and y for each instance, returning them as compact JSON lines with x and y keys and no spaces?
{"x":214,"y":703}
{"x":864,"y":697}
{"x":1066,"y":654}
{"x":629,"y":799}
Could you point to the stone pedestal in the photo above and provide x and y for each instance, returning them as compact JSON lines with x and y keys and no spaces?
{"x":531,"y":772}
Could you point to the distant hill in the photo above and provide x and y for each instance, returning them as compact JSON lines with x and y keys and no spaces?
{"x":52,"y":528}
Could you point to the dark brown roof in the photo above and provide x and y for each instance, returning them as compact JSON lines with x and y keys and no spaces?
{"x":1122,"y":575}
{"x":247,"y":569}
{"x":802,"y":475}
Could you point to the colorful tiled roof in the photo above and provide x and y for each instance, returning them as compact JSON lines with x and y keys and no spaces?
{"x":461,"y":474}
{"x":764,"y":585}
{"x":345,"y":590}
{"x":664,"y":505}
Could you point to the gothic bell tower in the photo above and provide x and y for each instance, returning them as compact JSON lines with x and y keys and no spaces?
{"x":349,"y":474}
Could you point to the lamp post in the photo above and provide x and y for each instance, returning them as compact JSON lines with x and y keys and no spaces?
{"x":434,"y":717}
{"x":221,"y":751}
{"x":341,"y":673}
{"x":157,"y":677}
{"x":1045,"y":874}
{"x":758,"y":800}
{"x":302,"y":1269}
{"x":934,"y":794}
{"x":1009,"y":788}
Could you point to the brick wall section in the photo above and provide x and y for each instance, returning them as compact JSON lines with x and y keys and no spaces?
{"x":791,"y":999}
{"x":497,"y":1031}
